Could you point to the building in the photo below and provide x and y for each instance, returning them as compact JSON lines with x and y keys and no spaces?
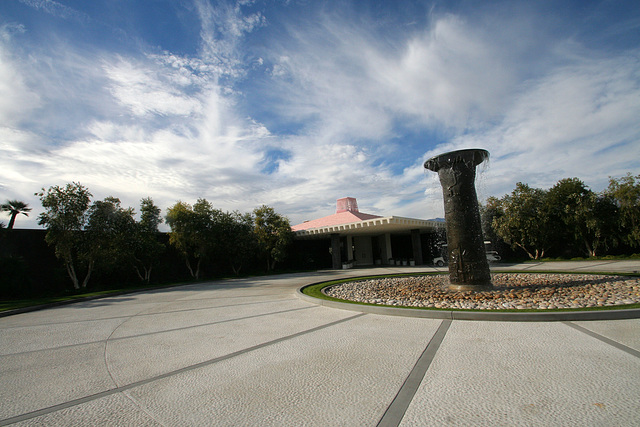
{"x":357,"y":238}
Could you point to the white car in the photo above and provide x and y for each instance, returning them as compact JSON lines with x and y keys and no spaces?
{"x":492,"y":256}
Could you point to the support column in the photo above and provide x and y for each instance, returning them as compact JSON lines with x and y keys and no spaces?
{"x":335,"y":252}
{"x":349,"y":248}
{"x":387,"y":245}
{"x":416,"y":243}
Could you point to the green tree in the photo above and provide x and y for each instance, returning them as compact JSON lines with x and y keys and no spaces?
{"x":488,"y":211}
{"x":604,"y":223}
{"x":109,"y":236}
{"x":150,"y":217}
{"x":146,"y":246}
{"x":273,"y":234}
{"x":65,"y":217}
{"x":194,"y":232}
{"x":15,"y":207}
{"x":237,"y":239}
{"x":625,"y":193}
{"x":588,"y":219}
{"x":570,"y":203}
{"x":524,"y":220}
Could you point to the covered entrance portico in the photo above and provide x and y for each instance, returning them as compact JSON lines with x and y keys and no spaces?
{"x":381,"y":240}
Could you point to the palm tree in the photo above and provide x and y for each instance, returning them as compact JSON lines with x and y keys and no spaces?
{"x":15,"y":207}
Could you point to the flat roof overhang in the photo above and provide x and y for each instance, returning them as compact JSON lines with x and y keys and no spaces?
{"x":372,"y":227}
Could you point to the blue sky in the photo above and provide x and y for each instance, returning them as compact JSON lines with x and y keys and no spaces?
{"x":295,"y":104}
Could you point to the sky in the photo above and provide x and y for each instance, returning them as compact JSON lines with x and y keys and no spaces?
{"x":294,"y":104}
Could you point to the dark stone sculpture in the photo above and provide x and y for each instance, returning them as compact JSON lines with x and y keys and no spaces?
{"x":468,"y":266}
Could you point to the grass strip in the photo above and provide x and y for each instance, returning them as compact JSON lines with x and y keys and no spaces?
{"x":8,"y":305}
{"x":597,"y":258}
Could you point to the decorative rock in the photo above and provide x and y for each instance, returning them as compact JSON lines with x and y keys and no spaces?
{"x":511,"y":291}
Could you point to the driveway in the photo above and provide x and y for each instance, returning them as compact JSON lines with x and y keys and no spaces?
{"x":249,"y":352}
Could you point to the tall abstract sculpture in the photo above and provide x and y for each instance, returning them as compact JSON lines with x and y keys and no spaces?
{"x":468,"y":266}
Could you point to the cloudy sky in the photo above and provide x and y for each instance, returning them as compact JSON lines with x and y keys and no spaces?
{"x":297,"y":103}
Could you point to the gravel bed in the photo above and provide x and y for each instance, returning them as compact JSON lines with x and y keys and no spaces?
{"x":511,"y":291}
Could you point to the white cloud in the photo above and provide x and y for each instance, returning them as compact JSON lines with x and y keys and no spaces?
{"x":16,"y":99}
{"x":450,"y":75}
{"x":19,"y":162}
{"x":57,"y":9}
{"x":342,"y":77}
{"x":147,"y":91}
{"x":307,"y":184}
{"x":222,"y":27}
{"x":579,"y":120}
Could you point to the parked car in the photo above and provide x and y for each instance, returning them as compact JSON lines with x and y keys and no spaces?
{"x":492,"y":256}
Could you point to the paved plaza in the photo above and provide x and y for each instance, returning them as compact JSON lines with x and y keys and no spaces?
{"x":249,"y":352}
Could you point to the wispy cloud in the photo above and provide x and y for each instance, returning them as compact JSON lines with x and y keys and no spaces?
{"x":57,"y":9}
{"x":223,"y":24}
{"x":339,"y":76}
{"x":16,"y":98}
{"x":144,"y":91}
{"x":579,"y":120}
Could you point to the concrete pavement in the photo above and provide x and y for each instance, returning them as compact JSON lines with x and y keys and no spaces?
{"x":249,"y":352}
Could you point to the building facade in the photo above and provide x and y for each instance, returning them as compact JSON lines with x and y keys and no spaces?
{"x":355,"y":238}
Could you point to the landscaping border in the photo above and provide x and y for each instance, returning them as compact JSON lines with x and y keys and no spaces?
{"x":480,"y":315}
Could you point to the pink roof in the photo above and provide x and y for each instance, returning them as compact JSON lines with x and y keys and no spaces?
{"x":335,"y":219}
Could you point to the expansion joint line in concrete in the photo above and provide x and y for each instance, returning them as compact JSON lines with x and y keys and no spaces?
{"x":140,"y":383}
{"x":396,"y":410}
{"x":604,"y":339}
{"x":164,"y":331}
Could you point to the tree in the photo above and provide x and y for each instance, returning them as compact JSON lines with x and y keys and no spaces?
{"x":150,"y":217}
{"x":237,"y":239}
{"x":147,"y":247}
{"x":604,"y":224}
{"x":15,"y":207}
{"x":625,"y":193}
{"x":109,"y":235}
{"x":194,"y":232}
{"x":273,"y":233}
{"x":589,"y":219}
{"x":524,"y":220}
{"x":3,"y":247}
{"x":65,"y":217}
{"x":490,"y":210}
